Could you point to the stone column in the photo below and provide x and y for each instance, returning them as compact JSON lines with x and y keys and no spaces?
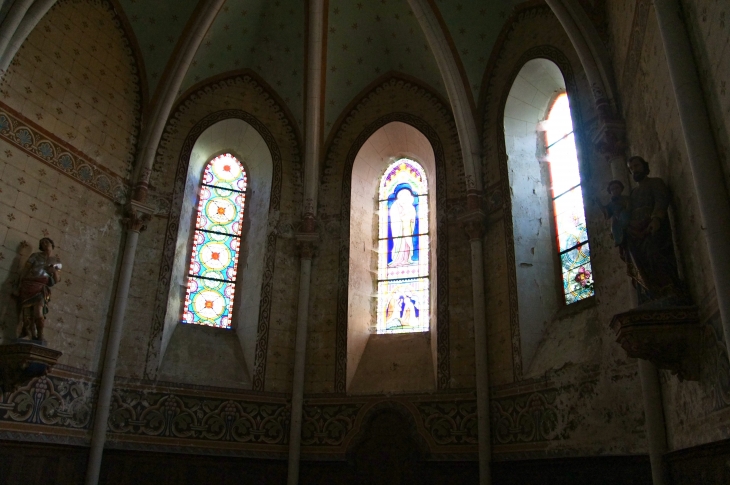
{"x":32,"y":17}
{"x":704,"y":161}
{"x":136,"y":223}
{"x":654,"y":419}
{"x":473,"y":223}
{"x":167,"y":93}
{"x":11,"y":21}
{"x":306,"y":245}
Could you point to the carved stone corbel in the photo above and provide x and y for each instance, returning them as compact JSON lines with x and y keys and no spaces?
{"x":23,"y":361}
{"x":670,"y":338}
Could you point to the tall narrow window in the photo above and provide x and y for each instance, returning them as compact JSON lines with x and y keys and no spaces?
{"x":567,"y":196}
{"x":403,"y":249}
{"x":214,"y":259}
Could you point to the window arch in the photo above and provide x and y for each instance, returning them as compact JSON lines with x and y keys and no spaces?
{"x":216,"y":241}
{"x":567,"y":200}
{"x":403,"y":249}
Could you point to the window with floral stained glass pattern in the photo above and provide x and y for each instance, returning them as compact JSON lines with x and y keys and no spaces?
{"x":403,"y":249}
{"x":217,"y":238}
{"x":567,"y":197}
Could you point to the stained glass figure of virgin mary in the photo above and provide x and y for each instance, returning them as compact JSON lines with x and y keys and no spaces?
{"x":214,"y":260}
{"x":403,"y":249}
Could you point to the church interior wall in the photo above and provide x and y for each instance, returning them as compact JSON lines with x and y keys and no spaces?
{"x":419,"y":107}
{"x":142,"y":346}
{"x":70,"y":118}
{"x":415,"y":368}
{"x":694,"y":411}
{"x":576,"y":361}
{"x":70,"y":110}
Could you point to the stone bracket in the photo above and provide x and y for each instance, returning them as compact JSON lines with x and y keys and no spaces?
{"x":670,"y":338}
{"x":22,"y":361}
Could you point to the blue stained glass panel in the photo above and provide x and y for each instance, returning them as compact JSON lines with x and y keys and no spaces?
{"x":403,"y":249}
{"x":403,"y":306}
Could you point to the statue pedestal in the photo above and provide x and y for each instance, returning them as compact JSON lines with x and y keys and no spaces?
{"x":670,"y":338}
{"x":22,"y":361}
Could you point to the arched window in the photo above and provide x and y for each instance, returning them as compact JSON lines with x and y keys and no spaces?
{"x":403,"y":249}
{"x":216,"y":241}
{"x":567,"y":198}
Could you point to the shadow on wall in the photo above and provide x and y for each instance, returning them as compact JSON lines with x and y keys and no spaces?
{"x":8,"y":303}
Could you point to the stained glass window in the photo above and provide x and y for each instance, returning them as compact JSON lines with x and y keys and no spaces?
{"x":570,"y":220}
{"x":403,"y":249}
{"x":214,"y":260}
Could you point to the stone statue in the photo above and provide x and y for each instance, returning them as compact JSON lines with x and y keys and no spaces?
{"x":41,"y":271}
{"x":648,"y":248}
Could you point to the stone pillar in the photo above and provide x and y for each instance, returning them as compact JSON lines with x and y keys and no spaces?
{"x":654,"y":419}
{"x":704,"y":161}
{"x":136,"y":223}
{"x":306,"y":245}
{"x":11,"y":21}
{"x":167,"y":93}
{"x":473,"y":223}
{"x":26,"y":26}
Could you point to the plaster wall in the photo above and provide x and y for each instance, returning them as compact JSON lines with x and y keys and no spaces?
{"x":536,"y":264}
{"x":696,"y":412}
{"x":76,"y":77}
{"x":71,"y":108}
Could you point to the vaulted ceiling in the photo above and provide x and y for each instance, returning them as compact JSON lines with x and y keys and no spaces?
{"x":365,"y":39}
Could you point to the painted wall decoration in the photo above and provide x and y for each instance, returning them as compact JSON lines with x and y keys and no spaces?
{"x":403,"y":278}
{"x":217,"y":238}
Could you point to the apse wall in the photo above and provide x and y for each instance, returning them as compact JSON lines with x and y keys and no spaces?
{"x":387,"y":101}
{"x":695,"y":412}
{"x":69,"y":115}
{"x":143,"y":347}
{"x":579,"y":376}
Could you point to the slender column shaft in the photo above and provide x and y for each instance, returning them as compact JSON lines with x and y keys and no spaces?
{"x":27,"y":24}
{"x":480,"y":354}
{"x":584,"y":39}
{"x":297,"y":400}
{"x":456,"y":90}
{"x":101,"y":415}
{"x":168,"y":93}
{"x":11,"y":22}
{"x":704,"y":161}
{"x":654,"y":416}
{"x":313,"y":141}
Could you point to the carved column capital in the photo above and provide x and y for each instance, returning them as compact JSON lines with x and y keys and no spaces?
{"x":473,"y":222}
{"x":610,"y":139}
{"x":138,"y":216}
{"x":307,"y":243}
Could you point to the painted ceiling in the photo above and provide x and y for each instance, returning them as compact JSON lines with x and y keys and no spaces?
{"x":365,"y":39}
